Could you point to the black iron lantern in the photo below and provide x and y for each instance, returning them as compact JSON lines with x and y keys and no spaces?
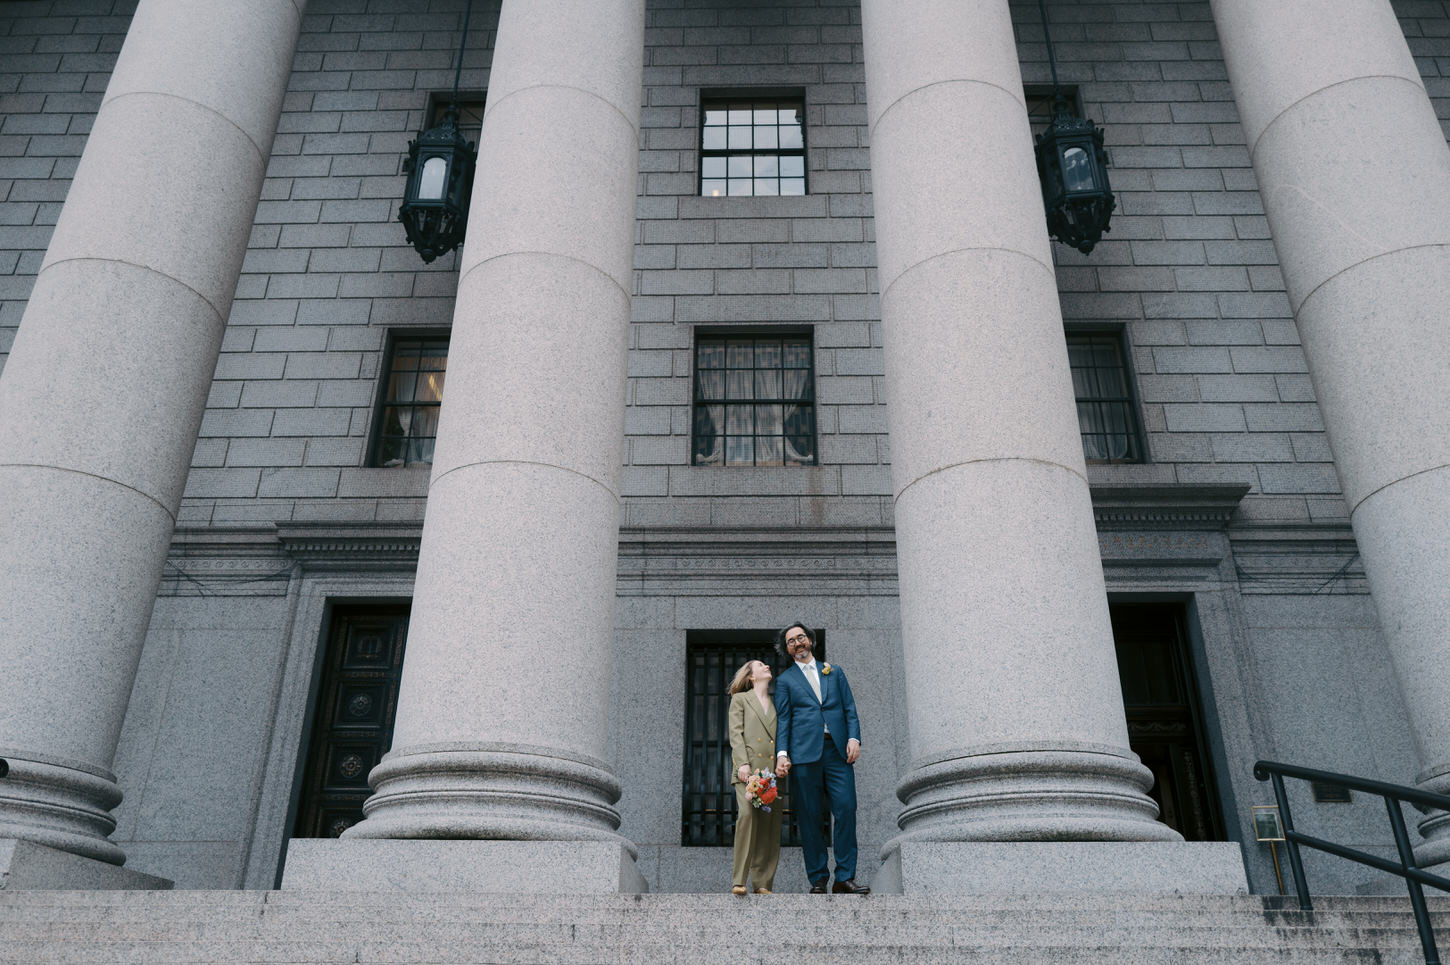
{"x":1073,"y":169}
{"x":439,"y":166}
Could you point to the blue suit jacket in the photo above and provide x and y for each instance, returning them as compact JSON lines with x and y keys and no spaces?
{"x":801,"y":720}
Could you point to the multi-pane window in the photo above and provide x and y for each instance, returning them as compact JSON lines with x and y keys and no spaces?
{"x":752,"y":147}
{"x":412,"y":394}
{"x":754,"y":401}
{"x":1106,"y":415}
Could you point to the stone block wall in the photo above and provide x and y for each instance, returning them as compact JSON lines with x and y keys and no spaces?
{"x":1188,"y":272}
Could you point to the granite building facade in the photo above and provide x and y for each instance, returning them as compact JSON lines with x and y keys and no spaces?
{"x":1072,"y":522}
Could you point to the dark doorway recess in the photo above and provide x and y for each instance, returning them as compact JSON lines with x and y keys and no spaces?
{"x":711,"y":659}
{"x":352,"y":728}
{"x":1165,"y":716}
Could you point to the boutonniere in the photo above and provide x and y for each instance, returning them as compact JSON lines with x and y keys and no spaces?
{"x":825,"y":669}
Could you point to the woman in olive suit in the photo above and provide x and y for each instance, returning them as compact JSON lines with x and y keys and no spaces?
{"x":752,"y":749}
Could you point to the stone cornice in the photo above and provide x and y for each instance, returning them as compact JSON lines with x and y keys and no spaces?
{"x":351,"y":545}
{"x":845,"y":557}
{"x":1297,"y":558}
{"x":1165,"y":506}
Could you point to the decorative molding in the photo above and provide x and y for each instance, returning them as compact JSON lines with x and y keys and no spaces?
{"x":757,"y":561}
{"x":1298,"y":559}
{"x":1165,"y":506}
{"x":351,"y":546}
{"x":1148,"y":532}
{"x":225,"y":561}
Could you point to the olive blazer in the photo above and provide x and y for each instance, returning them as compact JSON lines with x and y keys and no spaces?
{"x":752,"y":734}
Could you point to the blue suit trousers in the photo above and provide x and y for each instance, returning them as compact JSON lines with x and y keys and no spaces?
{"x":814,"y":785}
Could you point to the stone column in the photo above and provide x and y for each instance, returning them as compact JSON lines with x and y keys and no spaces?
{"x":503,"y":706}
{"x":1017,"y":731}
{"x":103,"y":393}
{"x":1355,"y":176}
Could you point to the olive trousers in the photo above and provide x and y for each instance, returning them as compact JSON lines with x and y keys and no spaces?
{"x":757,"y":842}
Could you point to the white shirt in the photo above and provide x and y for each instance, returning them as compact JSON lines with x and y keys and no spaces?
{"x":813,"y":675}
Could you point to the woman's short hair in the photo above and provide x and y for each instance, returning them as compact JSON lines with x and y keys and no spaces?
{"x":782,"y":651}
{"x":742,"y":680}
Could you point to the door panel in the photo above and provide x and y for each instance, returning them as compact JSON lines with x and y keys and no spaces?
{"x":352,"y":728}
{"x":1165,"y":729}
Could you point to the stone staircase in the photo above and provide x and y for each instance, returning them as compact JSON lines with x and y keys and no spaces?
{"x":151,"y":928}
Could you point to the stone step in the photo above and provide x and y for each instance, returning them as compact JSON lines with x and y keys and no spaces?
{"x":403,"y":952}
{"x":38,"y":928}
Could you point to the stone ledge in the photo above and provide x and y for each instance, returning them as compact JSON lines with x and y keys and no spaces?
{"x":1165,"y":506}
{"x":418,"y":865}
{"x":1070,"y":867}
{"x":27,"y":866}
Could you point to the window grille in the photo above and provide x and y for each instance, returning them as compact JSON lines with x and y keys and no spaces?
{"x":711,"y":659}
{"x":1106,"y":414}
{"x":754,"y":401}
{"x":752,"y":147}
{"x":412,"y":395}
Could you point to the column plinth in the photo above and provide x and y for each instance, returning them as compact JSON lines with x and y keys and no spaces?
{"x":1355,"y":176}
{"x":1014,"y":706}
{"x":103,"y":393}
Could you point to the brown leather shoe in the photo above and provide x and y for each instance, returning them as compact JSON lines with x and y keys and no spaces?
{"x":764,"y":891}
{"x":849,"y":887}
{"x":818,"y":887}
{"x":737,"y":889}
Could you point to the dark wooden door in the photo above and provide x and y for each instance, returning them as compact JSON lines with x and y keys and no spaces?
{"x":352,"y":728}
{"x":1165,"y":721}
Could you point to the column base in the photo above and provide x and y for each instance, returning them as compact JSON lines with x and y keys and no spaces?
{"x":513,"y":867}
{"x":491,"y":792}
{"x":27,"y":866}
{"x":1435,"y":828}
{"x":1081,"y":792}
{"x":1070,"y":867}
{"x":61,"y":804}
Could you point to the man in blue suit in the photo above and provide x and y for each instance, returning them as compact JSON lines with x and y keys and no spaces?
{"x":818,"y":739}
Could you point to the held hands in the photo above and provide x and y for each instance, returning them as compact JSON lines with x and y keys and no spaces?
{"x":853,"y":750}
{"x":782,"y":766}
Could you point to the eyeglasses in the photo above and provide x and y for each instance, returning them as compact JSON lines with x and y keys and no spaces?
{"x":798,"y":638}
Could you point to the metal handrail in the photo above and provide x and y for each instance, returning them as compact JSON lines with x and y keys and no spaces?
{"x":1393,"y":795}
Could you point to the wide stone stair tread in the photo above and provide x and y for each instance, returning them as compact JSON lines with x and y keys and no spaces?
{"x":271,"y":928}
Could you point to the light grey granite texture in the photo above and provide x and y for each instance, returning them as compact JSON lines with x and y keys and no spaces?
{"x":1005,"y":631}
{"x":1363,"y":236}
{"x":1068,"y":867}
{"x":27,"y":866}
{"x":262,"y":928}
{"x":127,"y":312}
{"x":509,"y":640}
{"x":503,"y":867}
{"x":1284,"y":638}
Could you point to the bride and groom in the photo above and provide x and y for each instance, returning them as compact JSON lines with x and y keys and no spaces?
{"x":811,"y":733}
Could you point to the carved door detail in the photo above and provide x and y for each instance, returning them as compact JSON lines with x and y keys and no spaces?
{"x":1165,"y":726}
{"x":352,"y":728}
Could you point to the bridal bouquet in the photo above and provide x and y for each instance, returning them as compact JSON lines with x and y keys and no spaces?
{"x":761,"y":790}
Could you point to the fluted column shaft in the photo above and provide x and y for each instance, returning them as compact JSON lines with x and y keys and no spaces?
{"x":103,"y":393}
{"x":504,"y":699}
{"x":1355,"y":176}
{"x":1014,"y":706}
